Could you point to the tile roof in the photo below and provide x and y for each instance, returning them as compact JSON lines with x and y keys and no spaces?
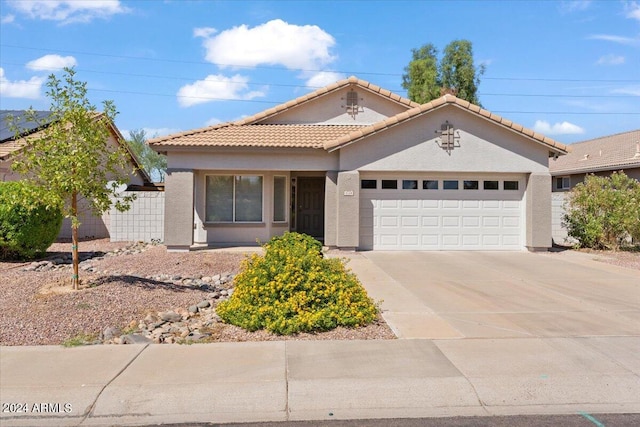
{"x":249,"y":132}
{"x":277,"y":136}
{"x":612,"y":152}
{"x":9,"y":145}
{"x":439,"y":103}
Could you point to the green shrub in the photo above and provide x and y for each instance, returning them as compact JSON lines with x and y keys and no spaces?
{"x":292,"y":289}
{"x":27,"y":225}
{"x":604,"y":212}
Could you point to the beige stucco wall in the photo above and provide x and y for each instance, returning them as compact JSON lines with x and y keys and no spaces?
{"x":245,"y":159}
{"x":178,"y":213}
{"x":330,"y":109}
{"x":538,"y":212}
{"x":483,"y":147}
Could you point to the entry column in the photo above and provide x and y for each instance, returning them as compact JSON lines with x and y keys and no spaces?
{"x":538,"y":212}
{"x":178,"y":209}
{"x":348,"y":216}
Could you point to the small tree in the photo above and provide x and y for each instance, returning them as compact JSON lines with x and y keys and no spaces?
{"x":604,"y":212}
{"x":425,"y":76}
{"x":71,"y":157}
{"x":154,"y":163}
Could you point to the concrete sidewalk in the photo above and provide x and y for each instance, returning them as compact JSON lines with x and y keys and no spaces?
{"x":307,"y":380}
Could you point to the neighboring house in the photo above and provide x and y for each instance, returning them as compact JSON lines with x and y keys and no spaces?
{"x":91,"y":226}
{"x":361,"y":168}
{"x":601,"y":156}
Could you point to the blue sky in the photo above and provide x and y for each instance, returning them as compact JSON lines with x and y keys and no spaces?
{"x":569,"y":69}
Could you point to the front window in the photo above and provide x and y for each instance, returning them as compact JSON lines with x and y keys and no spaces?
{"x":563,"y":183}
{"x":234,"y":198}
{"x":279,"y":198}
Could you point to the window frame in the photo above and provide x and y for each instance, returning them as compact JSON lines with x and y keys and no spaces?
{"x":233,"y":209}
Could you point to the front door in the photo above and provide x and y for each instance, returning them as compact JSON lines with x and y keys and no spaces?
{"x":310,"y":206}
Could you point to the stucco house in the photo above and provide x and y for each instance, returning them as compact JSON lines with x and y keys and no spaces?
{"x":91,"y":226}
{"x":360,"y":167}
{"x":600,"y":156}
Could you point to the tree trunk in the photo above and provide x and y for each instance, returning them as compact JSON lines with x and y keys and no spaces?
{"x":75,"y":281}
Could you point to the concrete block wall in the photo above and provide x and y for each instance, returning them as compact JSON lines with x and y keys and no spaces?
{"x":144,"y":221}
{"x":558,"y":232}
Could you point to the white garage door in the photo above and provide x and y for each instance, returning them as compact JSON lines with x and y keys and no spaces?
{"x":431,"y":213}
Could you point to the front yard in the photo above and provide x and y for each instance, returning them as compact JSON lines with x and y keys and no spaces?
{"x":131,"y":286}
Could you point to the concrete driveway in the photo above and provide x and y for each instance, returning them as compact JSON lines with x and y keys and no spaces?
{"x":452,"y":295}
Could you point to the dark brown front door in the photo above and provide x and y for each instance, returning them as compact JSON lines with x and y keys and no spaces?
{"x":310,"y":201}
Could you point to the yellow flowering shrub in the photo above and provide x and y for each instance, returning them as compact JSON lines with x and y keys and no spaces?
{"x":292,"y":288}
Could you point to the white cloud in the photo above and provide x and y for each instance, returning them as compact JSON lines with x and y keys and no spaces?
{"x":68,"y":11}
{"x":611,"y":59}
{"x":29,"y":89}
{"x":212,"y":121}
{"x":204,"y":32}
{"x":632,"y":10}
{"x":574,"y":6}
{"x":52,"y":63}
{"x":564,"y":128}
{"x":216,"y":88}
{"x":629,"y":41}
{"x":8,"y":19}
{"x":324,"y":78}
{"x":629,"y":90}
{"x":273,"y":43}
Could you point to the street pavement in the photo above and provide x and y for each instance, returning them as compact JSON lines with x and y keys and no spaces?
{"x":480,"y":335}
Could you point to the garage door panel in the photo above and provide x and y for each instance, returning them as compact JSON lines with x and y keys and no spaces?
{"x":430,"y":204}
{"x":451,"y":204}
{"x":410,"y":221}
{"x":410,"y":240}
{"x":389,"y":204}
{"x":491,"y":204}
{"x":388,"y":221}
{"x":452,"y":240}
{"x":510,"y":222}
{"x":490,"y":221}
{"x":410,"y":204}
{"x":471,"y":221}
{"x":511,"y":204}
{"x":451,"y":221}
{"x":430,"y":221}
{"x":471,"y":204}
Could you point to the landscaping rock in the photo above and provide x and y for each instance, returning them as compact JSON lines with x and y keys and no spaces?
{"x":134,"y":339}
{"x":170,"y":316}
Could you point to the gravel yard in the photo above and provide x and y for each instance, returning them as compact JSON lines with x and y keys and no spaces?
{"x":39,"y":308}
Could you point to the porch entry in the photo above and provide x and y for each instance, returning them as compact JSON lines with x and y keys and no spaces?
{"x":310,"y":206}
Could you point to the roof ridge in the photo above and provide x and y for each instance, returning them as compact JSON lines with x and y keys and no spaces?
{"x":176,"y":135}
{"x":606,"y":136}
{"x":446,"y":99}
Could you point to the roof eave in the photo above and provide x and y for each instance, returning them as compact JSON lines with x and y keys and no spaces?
{"x":594,"y":169}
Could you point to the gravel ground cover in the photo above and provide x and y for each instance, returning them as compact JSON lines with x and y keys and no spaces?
{"x":39,"y":308}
